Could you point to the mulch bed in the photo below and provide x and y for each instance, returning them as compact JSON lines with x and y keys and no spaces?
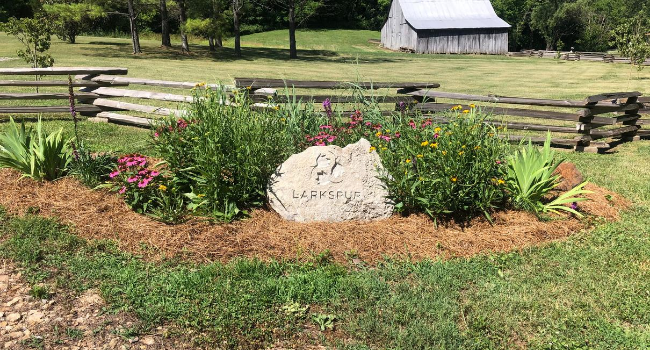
{"x":103,"y":215}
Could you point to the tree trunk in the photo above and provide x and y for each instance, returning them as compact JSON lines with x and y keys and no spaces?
{"x":211,"y":43}
{"x":183,"y":17}
{"x":218,"y":41}
{"x":166,"y":40}
{"x":235,"y":19}
{"x":134,"y":29}
{"x":293,"y":52}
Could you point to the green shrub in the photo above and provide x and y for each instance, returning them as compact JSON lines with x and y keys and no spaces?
{"x":453,"y":168}
{"x":92,"y":170}
{"x":35,"y":153}
{"x":530,"y":177}
{"x":223,"y":155}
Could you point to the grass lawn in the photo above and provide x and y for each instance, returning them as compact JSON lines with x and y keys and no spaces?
{"x":591,"y":291}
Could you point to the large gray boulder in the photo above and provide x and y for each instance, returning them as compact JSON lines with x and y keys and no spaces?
{"x":330,"y":183}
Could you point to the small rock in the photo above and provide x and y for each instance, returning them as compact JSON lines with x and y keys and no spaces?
{"x":13,"y":317}
{"x":133,"y":340}
{"x":8,"y":344}
{"x":570,"y":176}
{"x":15,"y":335}
{"x":112,"y":343}
{"x":148,"y":341}
{"x":13,"y":301}
{"x":36,"y":317}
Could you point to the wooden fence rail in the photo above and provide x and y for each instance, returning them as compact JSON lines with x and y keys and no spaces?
{"x":594,"y":121}
{"x":574,"y":56}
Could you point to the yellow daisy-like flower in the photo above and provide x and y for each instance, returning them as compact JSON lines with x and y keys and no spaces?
{"x":436,"y":130}
{"x":501,"y":182}
{"x":463,"y":146}
{"x":384,"y":148}
{"x":461,"y":153}
{"x":378,"y":133}
{"x":444,"y":153}
{"x":472,"y":106}
{"x":201,"y":195}
{"x":372,"y":149}
{"x":434,"y":145}
{"x":277,"y":108}
{"x":419,"y":156}
{"x":454,"y":179}
{"x":465,"y":111}
{"x":477,"y":147}
{"x":425,"y":143}
{"x":421,"y":178}
{"x":162,"y":188}
{"x":249,"y":87}
{"x":407,"y":161}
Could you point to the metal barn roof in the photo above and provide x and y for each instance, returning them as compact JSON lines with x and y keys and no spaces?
{"x":448,"y":14}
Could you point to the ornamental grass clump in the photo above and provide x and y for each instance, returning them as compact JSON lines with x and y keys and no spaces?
{"x":530,"y":175}
{"x":223,"y":154}
{"x":36,"y":153}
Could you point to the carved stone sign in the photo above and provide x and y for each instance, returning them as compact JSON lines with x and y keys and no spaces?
{"x":330,"y":183}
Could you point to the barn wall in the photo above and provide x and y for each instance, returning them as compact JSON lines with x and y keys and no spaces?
{"x":397,"y":33}
{"x":493,"y":41}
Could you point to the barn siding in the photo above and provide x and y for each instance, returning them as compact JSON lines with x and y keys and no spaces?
{"x":463,"y":41}
{"x":397,"y":33}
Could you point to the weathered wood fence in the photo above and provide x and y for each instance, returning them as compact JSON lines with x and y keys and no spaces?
{"x":574,"y":56}
{"x":594,"y":123}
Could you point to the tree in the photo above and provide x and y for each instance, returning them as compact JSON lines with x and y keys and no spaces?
{"x":298,"y":11}
{"x":631,"y":40}
{"x":164,"y":16}
{"x":135,"y":36}
{"x":183,"y":18}
{"x":70,"y":18}
{"x":237,"y":6}
{"x":35,"y":34}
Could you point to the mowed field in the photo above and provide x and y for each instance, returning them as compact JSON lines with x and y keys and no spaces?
{"x":590,"y":291}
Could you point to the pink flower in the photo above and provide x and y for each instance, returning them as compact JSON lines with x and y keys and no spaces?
{"x":133,"y":179}
{"x":412,"y":124}
{"x":154,"y":173}
{"x":145,"y":182}
{"x":331,"y":138}
{"x":368,"y":123}
{"x":156,"y":134}
{"x":498,"y":162}
{"x":435,"y":136}
{"x":325,"y":126}
{"x":122,"y":190}
{"x":385,"y":138}
{"x":319,"y":143}
{"x":114,"y":174}
{"x":397,"y":135}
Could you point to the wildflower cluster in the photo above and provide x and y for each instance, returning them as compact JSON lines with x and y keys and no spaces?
{"x":136,"y":182}
{"x":178,"y":127}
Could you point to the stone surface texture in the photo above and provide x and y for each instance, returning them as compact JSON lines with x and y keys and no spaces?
{"x":570,"y":176}
{"x":331,"y":184}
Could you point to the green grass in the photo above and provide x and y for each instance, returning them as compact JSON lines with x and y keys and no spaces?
{"x":588,"y":292}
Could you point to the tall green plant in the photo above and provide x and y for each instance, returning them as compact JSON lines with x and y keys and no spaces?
{"x":35,"y":153}
{"x":530,"y":177}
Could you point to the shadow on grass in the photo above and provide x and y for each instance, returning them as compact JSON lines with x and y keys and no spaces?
{"x":225,"y":54}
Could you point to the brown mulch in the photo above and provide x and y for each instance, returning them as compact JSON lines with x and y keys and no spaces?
{"x":103,"y":215}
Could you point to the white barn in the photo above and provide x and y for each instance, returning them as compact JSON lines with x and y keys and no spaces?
{"x":445,"y":26}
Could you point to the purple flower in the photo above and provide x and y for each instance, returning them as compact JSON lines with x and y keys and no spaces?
{"x":574,"y":206}
{"x":327,"y":105}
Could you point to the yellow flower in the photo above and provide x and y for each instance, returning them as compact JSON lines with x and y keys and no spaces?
{"x":461,"y":153}
{"x":378,"y":133}
{"x":454,"y":179}
{"x":270,"y":97}
{"x":421,"y":178}
{"x":465,"y":111}
{"x":277,"y":108}
{"x":425,"y":143}
{"x":444,"y":153}
{"x":477,"y":147}
{"x":472,"y":106}
{"x":373,"y":148}
{"x":463,"y":147}
{"x":248,"y":87}
{"x":201,"y":195}
{"x":434,"y":145}
{"x":501,"y":182}
{"x":283,"y":119}
{"x":162,"y":188}
{"x":419,"y":156}
{"x":407,"y":160}
{"x":384,"y":148}
{"x":491,"y":134}
{"x":437,"y":130}
{"x":415,"y":102}
{"x":387,"y":130}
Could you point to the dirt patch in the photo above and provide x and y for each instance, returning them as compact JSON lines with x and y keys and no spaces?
{"x":103,"y":215}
